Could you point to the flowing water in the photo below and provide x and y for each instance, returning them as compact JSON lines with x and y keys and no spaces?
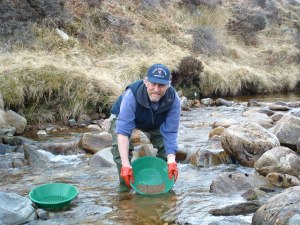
{"x":98,"y":201}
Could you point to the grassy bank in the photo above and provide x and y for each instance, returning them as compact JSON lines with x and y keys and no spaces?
{"x":112,"y":44}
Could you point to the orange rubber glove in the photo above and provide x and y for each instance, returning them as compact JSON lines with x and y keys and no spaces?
{"x":172,"y":170}
{"x":127,"y":175}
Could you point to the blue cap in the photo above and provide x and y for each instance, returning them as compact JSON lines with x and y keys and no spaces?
{"x":159,"y":74}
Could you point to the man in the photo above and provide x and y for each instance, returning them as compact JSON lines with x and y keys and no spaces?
{"x":152,"y":106}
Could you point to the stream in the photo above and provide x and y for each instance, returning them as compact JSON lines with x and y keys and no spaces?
{"x":99,"y":203}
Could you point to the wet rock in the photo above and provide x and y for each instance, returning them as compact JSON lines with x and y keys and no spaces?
{"x":93,"y":142}
{"x":294,"y":104}
{"x":60,"y":148}
{"x":16,"y":140}
{"x":235,"y":182}
{"x":279,"y":209}
{"x":18,"y":162}
{"x":247,"y":142}
{"x":16,"y":120}
{"x":279,"y":107}
{"x":3,"y":149}
{"x":42,"y":214}
{"x":283,"y":180}
{"x":279,"y":159}
{"x":42,"y":133}
{"x":218,"y":131}
{"x":15,"y":209}
{"x":102,"y":158}
{"x":277,"y":116}
{"x":185,"y":104}
{"x":94,"y":128}
{"x":260,"y":118}
{"x":253,"y":103}
{"x":253,"y":194}
{"x":243,"y":208}
{"x":33,"y":156}
{"x":72,"y":123}
{"x":224,"y":123}
{"x":221,"y":101}
{"x":7,"y":130}
{"x":296,"y":112}
{"x":207,"y":101}
{"x":205,"y":158}
{"x":258,"y":110}
{"x":287,"y":130}
{"x":84,"y":120}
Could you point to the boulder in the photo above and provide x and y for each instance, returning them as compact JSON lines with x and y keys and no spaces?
{"x":229,"y":183}
{"x":16,"y":120}
{"x":281,"y":209}
{"x":15,"y":209}
{"x":279,"y":159}
{"x":287,"y":130}
{"x":247,"y":142}
{"x":93,"y":142}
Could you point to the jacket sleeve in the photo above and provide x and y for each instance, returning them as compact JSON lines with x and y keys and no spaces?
{"x":169,"y":129}
{"x":125,"y":121}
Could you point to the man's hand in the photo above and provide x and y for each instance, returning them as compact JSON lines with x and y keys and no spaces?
{"x":127,"y":175}
{"x":173,"y":171}
{"x":172,"y":167}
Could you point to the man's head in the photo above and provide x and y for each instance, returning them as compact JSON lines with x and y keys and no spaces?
{"x":157,"y":81}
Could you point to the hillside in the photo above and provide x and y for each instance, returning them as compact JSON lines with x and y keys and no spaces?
{"x":97,"y":47}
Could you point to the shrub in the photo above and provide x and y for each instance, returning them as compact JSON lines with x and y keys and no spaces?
{"x":205,"y":41}
{"x":187,"y":76}
{"x":246,"y":23}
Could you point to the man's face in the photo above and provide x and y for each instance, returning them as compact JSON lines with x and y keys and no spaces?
{"x":155,"y":91}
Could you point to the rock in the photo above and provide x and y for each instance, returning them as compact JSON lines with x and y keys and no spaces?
{"x":34,"y":157}
{"x":207,"y":101}
{"x":60,"y":148}
{"x":102,"y":158}
{"x":278,"y":159}
{"x":94,"y":128}
{"x":277,"y":116}
{"x":72,"y":122}
{"x":247,"y":142}
{"x":253,"y":103}
{"x":221,"y":101}
{"x":15,"y":209}
{"x":84,"y":120}
{"x":16,"y":120}
{"x":287,"y":130}
{"x":243,"y":208}
{"x":185,"y":104}
{"x":234,"y":182}
{"x":93,"y":142}
{"x":62,"y":34}
{"x":42,"y":133}
{"x":224,"y":123}
{"x":283,"y":180}
{"x":260,"y":118}
{"x":279,"y":209}
{"x":218,"y":131}
{"x":278,"y":107}
{"x":205,"y":158}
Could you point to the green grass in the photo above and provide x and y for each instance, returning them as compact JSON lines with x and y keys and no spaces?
{"x":48,"y":94}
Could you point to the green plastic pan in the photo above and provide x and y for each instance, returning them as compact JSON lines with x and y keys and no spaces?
{"x":53,"y":195}
{"x":151,"y":176}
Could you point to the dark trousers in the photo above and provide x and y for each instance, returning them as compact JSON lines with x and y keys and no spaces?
{"x":155,"y":137}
